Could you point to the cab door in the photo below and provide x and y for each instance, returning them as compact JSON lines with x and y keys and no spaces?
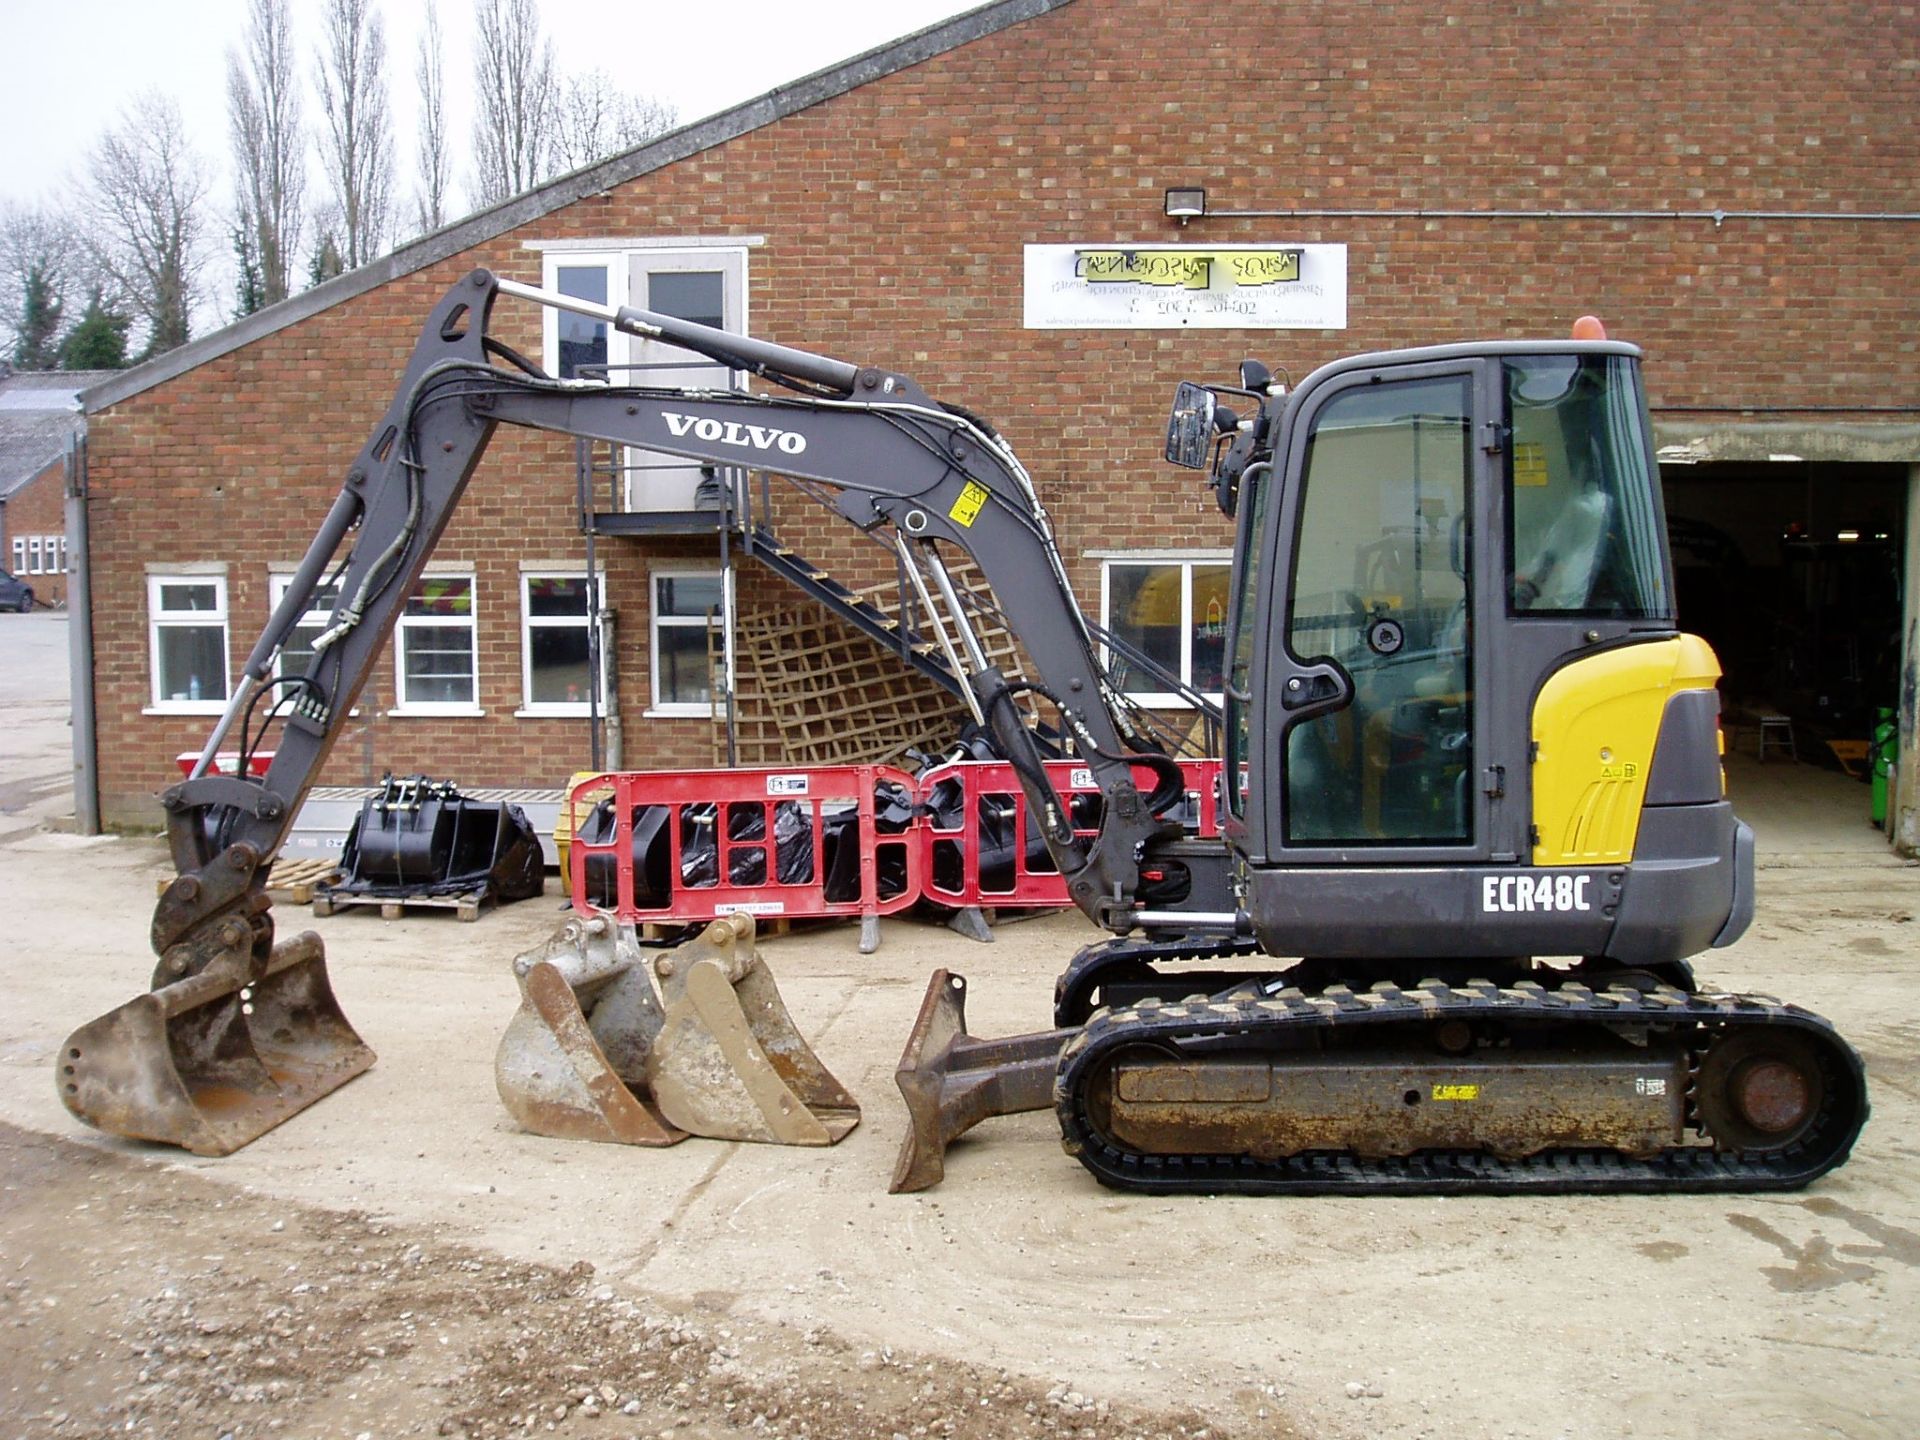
{"x":1372,"y":734}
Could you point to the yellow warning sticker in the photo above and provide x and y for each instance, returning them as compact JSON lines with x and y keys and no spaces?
{"x":1456,"y":1092}
{"x":966,"y":509}
{"x":1530,"y":465}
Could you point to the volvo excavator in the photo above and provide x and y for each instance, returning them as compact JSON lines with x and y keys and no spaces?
{"x":1474,"y":820}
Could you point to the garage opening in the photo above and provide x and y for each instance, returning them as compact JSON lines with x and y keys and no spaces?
{"x":1792,"y":571}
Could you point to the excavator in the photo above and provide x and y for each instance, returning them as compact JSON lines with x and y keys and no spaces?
{"x":1474,"y":822}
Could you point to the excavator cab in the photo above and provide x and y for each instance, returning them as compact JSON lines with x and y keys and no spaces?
{"x":1460,"y":567}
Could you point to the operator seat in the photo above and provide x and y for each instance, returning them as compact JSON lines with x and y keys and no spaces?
{"x":1562,"y":571}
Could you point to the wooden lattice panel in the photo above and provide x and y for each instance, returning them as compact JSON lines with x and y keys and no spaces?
{"x":811,"y":690}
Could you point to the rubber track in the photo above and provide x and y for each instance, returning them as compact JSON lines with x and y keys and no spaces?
{"x":1239,"y":1022}
{"x":1073,"y":990}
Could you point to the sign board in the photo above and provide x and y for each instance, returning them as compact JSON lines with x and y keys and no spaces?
{"x":1170,"y":287}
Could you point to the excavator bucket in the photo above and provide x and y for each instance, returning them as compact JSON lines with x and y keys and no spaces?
{"x":212,"y":1062}
{"x":595,"y":1052}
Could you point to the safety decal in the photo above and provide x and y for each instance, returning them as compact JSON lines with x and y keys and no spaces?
{"x":973,"y":499}
{"x":1456,"y":1092}
{"x":1530,"y":465}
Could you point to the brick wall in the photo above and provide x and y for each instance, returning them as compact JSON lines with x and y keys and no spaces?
{"x":894,"y":218}
{"x":38,"y":508}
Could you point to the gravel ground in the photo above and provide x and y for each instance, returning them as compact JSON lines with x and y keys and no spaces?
{"x":144,"y":1302}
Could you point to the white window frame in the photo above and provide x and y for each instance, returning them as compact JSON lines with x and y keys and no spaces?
{"x":616,"y":255}
{"x":159,"y":620}
{"x":615,"y":264}
{"x":19,"y":554}
{"x":529,"y":707}
{"x":61,"y":542}
{"x":404,"y":707}
{"x":278,"y":583}
{"x":651,"y":481}
{"x":1186,"y":560}
{"x":35,"y":559}
{"x":659,"y":709}
{"x":277,"y":586}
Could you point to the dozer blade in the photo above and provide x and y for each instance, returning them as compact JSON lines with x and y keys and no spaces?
{"x":595,"y":1054}
{"x":211,"y":1063}
{"x":951,"y":1082}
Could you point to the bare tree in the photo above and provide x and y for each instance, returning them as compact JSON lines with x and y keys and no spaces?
{"x":269,"y":145}
{"x":436,"y":162}
{"x":146,"y":188}
{"x":514,"y":81}
{"x":356,"y":145}
{"x":38,"y":278}
{"x":595,"y":118}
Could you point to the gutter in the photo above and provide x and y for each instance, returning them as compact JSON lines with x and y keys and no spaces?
{"x":86,"y":758}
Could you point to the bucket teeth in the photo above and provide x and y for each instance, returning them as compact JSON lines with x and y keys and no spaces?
{"x":212,"y":1062}
{"x":595,"y":1054}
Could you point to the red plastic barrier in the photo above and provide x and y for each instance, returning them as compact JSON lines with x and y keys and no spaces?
{"x":980,"y":848}
{"x":682,"y":846}
{"x":226,"y":762}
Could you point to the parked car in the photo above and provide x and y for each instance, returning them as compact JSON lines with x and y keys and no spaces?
{"x":15,"y":593}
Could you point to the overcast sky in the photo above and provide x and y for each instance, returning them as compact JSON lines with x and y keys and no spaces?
{"x":67,"y":66}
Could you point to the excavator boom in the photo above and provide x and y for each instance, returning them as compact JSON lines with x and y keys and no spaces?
{"x":199,"y":1045}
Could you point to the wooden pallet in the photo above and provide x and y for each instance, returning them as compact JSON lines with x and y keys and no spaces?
{"x":290,"y":882}
{"x":293,"y":882}
{"x":466,"y":907}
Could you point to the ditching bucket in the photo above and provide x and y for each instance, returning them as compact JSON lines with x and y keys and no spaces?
{"x":213,"y":1061}
{"x":595,"y":1053}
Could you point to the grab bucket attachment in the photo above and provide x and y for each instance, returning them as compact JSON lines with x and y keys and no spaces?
{"x":951,"y":1081}
{"x":595,"y":1052}
{"x":215,"y":1060}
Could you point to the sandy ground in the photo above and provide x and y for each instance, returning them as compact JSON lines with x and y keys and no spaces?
{"x":1016,"y":1298}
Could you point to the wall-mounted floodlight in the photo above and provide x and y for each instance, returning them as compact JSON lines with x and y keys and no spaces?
{"x":1185,"y":205}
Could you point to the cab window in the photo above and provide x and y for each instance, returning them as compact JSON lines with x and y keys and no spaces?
{"x":1584,"y":531}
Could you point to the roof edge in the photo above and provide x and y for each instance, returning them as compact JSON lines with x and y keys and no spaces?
{"x":556,"y":194}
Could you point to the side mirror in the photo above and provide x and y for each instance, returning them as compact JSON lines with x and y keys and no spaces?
{"x":1255,"y":377}
{"x":1190,"y":428}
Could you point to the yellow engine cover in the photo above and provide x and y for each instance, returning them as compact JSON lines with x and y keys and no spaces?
{"x":1594,"y":728}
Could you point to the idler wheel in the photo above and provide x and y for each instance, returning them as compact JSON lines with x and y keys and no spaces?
{"x":1761,"y":1091}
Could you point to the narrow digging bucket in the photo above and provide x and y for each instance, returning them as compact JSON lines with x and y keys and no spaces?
{"x":210,"y":1063}
{"x":594,"y":1053}
{"x":729,"y":1062}
{"x":951,"y":1081}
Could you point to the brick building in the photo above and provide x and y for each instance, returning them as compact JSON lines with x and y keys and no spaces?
{"x":40,"y":418}
{"x":1736,"y":190}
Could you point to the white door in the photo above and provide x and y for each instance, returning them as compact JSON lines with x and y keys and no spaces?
{"x":704,"y":287}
